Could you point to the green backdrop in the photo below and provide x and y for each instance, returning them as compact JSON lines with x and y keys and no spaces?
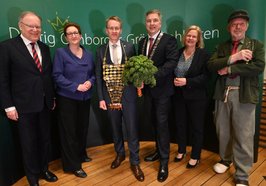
{"x":210,"y":15}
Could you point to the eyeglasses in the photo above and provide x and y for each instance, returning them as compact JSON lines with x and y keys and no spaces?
{"x":32,"y":26}
{"x":72,"y":34}
{"x":114,"y":28}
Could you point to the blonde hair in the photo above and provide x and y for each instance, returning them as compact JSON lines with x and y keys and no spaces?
{"x":200,"y":42}
{"x":114,"y":18}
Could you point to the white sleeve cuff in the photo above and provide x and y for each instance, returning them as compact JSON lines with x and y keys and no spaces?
{"x":10,"y":109}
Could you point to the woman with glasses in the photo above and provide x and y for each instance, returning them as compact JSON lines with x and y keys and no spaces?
{"x":73,"y":73}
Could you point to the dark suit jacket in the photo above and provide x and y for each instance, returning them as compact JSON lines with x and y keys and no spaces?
{"x":129,"y":92}
{"x":165,"y":59}
{"x":197,"y":76}
{"x":22,"y":84}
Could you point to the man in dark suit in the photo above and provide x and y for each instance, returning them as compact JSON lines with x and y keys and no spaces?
{"x":118,"y":100}
{"x":162,"y":49}
{"x":27,"y":94}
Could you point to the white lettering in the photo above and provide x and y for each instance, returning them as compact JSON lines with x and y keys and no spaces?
{"x":13,"y":32}
{"x":51,"y":40}
{"x":134,"y":39}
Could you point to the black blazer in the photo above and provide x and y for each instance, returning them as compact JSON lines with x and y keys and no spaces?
{"x":130,"y":92}
{"x":21,"y":83}
{"x":165,"y":59}
{"x":197,"y":76}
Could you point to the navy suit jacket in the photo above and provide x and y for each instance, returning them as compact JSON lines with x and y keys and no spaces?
{"x":197,"y":76}
{"x":22,"y":84}
{"x":165,"y":59}
{"x":130,"y":92}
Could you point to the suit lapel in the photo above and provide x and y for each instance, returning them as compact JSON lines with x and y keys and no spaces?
{"x":22,"y":48}
{"x":44,"y":57}
{"x":193,"y":62}
{"x":248,"y":44}
{"x":143,"y":46}
{"x":228,"y":47}
{"x":123,"y":46}
{"x":108,"y":55}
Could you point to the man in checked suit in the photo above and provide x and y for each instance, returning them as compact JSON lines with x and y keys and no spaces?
{"x":126,"y":109}
{"x":27,"y":94}
{"x":164,"y":53}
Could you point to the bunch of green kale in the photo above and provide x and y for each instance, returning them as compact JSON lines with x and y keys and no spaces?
{"x":139,"y":69}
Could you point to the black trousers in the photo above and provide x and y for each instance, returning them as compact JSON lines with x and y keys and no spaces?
{"x":190,"y":117}
{"x":129,"y":116}
{"x":34,"y":133}
{"x":73,"y":122}
{"x":159,"y":109}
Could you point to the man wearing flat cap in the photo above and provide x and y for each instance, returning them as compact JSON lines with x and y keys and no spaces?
{"x":238,"y":63}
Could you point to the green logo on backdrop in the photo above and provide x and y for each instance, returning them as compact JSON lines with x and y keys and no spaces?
{"x":58,"y":23}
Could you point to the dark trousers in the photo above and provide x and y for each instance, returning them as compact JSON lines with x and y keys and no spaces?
{"x":128,"y":115}
{"x":73,"y":121}
{"x":190,"y":114}
{"x":159,"y":109}
{"x":34,"y":133}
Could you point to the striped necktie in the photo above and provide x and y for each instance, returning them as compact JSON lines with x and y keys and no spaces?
{"x":36,"y":58}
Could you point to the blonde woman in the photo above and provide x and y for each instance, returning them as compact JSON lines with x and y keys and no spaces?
{"x":191,"y":94}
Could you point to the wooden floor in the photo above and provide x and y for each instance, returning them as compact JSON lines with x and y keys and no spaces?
{"x":99,"y":172}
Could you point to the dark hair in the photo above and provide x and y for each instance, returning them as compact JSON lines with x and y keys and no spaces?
{"x":71,"y":24}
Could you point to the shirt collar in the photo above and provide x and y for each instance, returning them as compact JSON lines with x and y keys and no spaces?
{"x":155,"y":35}
{"x":25,"y":40}
{"x":117,"y":43}
{"x":241,"y":41}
